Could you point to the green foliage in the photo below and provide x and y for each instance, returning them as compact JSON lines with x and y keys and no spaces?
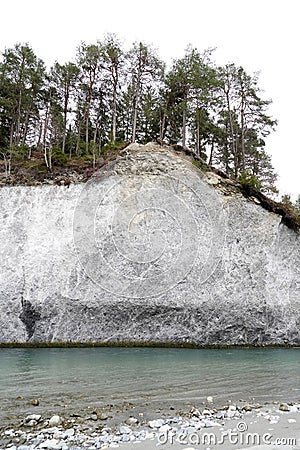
{"x":248,"y":179}
{"x":200,"y":165}
{"x":111,"y":148}
{"x":89,"y":107}
{"x":297,"y":205}
{"x":287,"y":201}
{"x":87,"y":158}
{"x":22,"y":76}
{"x":58,"y":157}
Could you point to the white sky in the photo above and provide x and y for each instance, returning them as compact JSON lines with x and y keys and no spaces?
{"x":260,"y":35}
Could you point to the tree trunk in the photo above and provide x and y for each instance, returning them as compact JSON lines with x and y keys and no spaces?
{"x":211,"y":154}
{"x":184,"y":114}
{"x":77,"y":141}
{"x":46,"y":125}
{"x":7,"y":164}
{"x":163,"y":120}
{"x":25,"y":128}
{"x":11,"y":133}
{"x":243,"y":130}
{"x":183,"y":127}
{"x":135,"y":109}
{"x":162,"y":129}
{"x":50,"y":158}
{"x":18,"y":127}
{"x":114,"y":112}
{"x":40,"y":134}
{"x":64,"y":131}
{"x":198,"y":137}
{"x":233,"y":143}
{"x":87,"y":132}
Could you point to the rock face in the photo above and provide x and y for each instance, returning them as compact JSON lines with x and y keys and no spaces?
{"x":149,"y":249}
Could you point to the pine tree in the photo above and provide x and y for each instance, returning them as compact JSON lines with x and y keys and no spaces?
{"x":144,"y":67}
{"x":113,"y":66}
{"x":21,"y":81}
{"x":65,"y":79}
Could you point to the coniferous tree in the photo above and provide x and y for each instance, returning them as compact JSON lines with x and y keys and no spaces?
{"x":113,"y":66}
{"x":108,"y":96}
{"x":144,"y":67}
{"x":89,"y":60}
{"x":65,"y":78}
{"x":21,"y":80}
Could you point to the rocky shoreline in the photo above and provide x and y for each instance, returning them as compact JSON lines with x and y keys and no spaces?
{"x":194,"y":427}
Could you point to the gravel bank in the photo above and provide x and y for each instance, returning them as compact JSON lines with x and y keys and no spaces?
{"x":237,"y":426}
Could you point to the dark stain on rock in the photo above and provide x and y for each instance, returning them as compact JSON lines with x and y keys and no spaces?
{"x":29,"y":317}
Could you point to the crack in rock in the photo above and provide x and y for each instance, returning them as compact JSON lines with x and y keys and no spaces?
{"x":29,"y":316}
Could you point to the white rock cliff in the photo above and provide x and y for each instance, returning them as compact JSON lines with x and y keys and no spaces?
{"x":150,"y":249}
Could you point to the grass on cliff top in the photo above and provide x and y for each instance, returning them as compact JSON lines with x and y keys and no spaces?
{"x":33,"y":170}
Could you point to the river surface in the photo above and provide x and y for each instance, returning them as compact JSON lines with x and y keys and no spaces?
{"x":80,"y":378}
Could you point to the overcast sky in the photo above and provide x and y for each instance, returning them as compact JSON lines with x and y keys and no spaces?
{"x":260,"y":35}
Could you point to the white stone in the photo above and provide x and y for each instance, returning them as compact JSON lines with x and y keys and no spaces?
{"x":51,"y":444}
{"x":68,"y":433}
{"x":55,"y":420}
{"x":156,"y":423}
{"x":36,"y":417}
{"x":125,"y":430}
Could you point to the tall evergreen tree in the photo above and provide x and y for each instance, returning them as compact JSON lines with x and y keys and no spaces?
{"x":21,"y":78}
{"x":144,"y":67}
{"x":89,"y":61}
{"x":113,"y":66}
{"x":65,"y":79}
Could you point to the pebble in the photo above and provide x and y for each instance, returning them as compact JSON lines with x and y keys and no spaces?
{"x":9,"y":432}
{"x":31,"y":423}
{"x":195,"y":412}
{"x":68,"y":433}
{"x":55,"y":420}
{"x":51,"y":444}
{"x":156,"y":423}
{"x":131,"y":421}
{"x":36,"y":417}
{"x":284,"y":407}
{"x":125,"y":430}
{"x":94,"y":417}
{"x":125,"y":438}
{"x":247,"y":408}
{"x":273,"y":419}
{"x":231,"y":411}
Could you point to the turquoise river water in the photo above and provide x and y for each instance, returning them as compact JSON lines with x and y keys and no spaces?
{"x":78,"y":378}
